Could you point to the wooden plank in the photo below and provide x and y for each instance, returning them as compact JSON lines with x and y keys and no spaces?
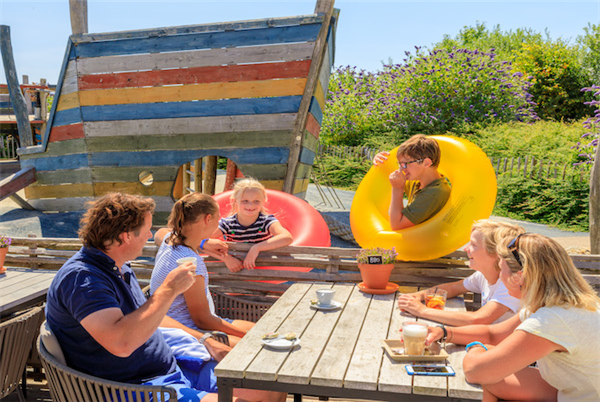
{"x":156,"y":188}
{"x":69,"y":53}
{"x":393,"y":376}
{"x":75,"y":146}
{"x":334,"y":361}
{"x":299,"y":366}
{"x":66,"y":117}
{"x":256,"y":106}
{"x":115,"y":174}
{"x":79,"y":16}
{"x":195,"y":41}
{"x":236,"y":362}
{"x":60,"y":191}
{"x":265,"y":155}
{"x":211,"y":27}
{"x":313,"y":126}
{"x":189,"y":141}
{"x":65,"y":176}
{"x":268,"y":362}
{"x":185,"y":93}
{"x":55,"y":163}
{"x":68,"y":101}
{"x":325,"y":73}
{"x":65,"y":133}
{"x":197,"y":75}
{"x":307,"y":156}
{"x":300,"y":186}
{"x":363,"y":370}
{"x":196,"y":58}
{"x":319,"y":96}
{"x":196,"y":125}
{"x":327,"y":8}
{"x":264,"y":172}
{"x":15,"y":182}
{"x":309,"y":141}
{"x":16,"y":97}
{"x":458,"y":387}
{"x":61,"y":204}
{"x":315,"y":110}
{"x":69,"y":83}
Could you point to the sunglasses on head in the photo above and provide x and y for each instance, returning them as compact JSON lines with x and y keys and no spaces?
{"x":513,"y":247}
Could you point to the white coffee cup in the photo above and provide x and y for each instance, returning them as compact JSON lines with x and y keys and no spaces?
{"x":325,"y":296}
{"x":414,"y":335}
{"x":184,"y":260}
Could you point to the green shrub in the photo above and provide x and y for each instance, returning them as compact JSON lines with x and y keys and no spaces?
{"x":342,"y":173}
{"x":557,"y":202}
{"x":590,"y":52}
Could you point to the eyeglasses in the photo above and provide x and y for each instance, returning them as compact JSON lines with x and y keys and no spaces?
{"x":404,"y":165}
{"x":513,"y":247}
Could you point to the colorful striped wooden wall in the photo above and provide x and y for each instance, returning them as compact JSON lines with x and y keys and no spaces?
{"x":153,"y":100}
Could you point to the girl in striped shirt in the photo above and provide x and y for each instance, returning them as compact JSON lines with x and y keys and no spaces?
{"x":250,"y":223}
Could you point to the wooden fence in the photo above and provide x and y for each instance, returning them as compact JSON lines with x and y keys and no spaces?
{"x":8,"y":147}
{"x":526,"y":166}
{"x":330,"y":265}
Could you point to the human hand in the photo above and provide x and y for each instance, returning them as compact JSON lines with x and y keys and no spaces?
{"x":216,"y":246}
{"x":410,"y":305}
{"x":216,"y":349}
{"x":380,"y":157}
{"x":233,"y":264}
{"x":397,"y":179}
{"x":433,"y":334}
{"x":416,"y":295}
{"x":250,"y":260}
{"x":181,"y":278}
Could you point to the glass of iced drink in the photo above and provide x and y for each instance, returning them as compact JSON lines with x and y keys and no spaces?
{"x":436,"y":298}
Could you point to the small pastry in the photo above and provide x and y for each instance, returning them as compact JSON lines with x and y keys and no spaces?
{"x":270,"y":335}
{"x":290,"y":336}
{"x":314,"y":302}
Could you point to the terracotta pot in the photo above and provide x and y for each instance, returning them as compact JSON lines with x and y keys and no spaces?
{"x":375,"y":276}
{"x":3,"y":251}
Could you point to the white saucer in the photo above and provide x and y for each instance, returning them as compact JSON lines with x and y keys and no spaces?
{"x":334,"y":304}
{"x":281,"y":343}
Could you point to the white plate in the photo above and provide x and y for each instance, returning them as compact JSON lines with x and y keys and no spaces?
{"x":334,"y":304}
{"x":281,"y":343}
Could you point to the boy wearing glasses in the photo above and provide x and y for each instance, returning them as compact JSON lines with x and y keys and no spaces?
{"x":417,"y":176}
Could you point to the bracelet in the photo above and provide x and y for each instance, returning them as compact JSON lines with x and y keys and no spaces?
{"x":470,"y":345}
{"x":445,"y":332}
{"x":205,"y":337}
{"x":202,"y":244}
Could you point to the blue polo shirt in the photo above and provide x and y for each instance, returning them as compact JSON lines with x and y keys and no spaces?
{"x":88,"y":282}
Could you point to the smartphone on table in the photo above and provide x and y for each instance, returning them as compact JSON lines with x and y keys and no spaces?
{"x":429,"y":369}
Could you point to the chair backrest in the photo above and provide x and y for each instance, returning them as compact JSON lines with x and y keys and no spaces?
{"x":68,"y":385}
{"x":16,"y":339}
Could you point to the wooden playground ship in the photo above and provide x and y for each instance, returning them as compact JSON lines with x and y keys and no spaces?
{"x":135,"y":110}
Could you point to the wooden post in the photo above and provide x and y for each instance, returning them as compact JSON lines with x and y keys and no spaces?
{"x":16,"y":97}
{"x":25,"y":79}
{"x":79,"y":16}
{"x":210,"y":175}
{"x":186,"y":178}
{"x":198,"y":175}
{"x":525,"y":166}
{"x":595,"y":204}
{"x":324,"y":7}
{"x":230,"y":174}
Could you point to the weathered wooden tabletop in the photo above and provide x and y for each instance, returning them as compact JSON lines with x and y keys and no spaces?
{"x":340,"y":353}
{"x":23,"y":287}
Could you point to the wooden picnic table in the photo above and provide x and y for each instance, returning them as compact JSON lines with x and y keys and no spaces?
{"x":23,"y":287}
{"x":340,"y":353}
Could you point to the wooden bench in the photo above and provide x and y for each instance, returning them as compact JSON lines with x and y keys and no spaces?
{"x":330,"y":265}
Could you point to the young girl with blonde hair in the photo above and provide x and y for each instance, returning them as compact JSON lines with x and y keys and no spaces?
{"x":250,"y":223}
{"x":496,"y":304}
{"x":558,"y":326}
{"x":193,"y":218}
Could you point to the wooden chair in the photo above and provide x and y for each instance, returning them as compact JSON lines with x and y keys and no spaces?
{"x":68,"y":385}
{"x":16,"y":339}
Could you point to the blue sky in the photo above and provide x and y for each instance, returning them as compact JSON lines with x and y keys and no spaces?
{"x":369,"y":32}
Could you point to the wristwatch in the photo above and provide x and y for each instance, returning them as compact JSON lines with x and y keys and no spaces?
{"x":205,"y":337}
{"x":445,"y":336}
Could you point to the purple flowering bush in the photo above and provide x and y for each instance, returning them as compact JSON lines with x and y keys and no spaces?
{"x":592,"y":125}
{"x":442,"y":90}
{"x":5,"y":241}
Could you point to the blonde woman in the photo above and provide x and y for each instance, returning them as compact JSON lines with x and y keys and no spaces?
{"x":250,"y":223}
{"x":496,"y":304}
{"x":558,"y":326}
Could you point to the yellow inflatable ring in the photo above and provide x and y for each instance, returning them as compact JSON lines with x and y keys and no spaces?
{"x":473,"y":196}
